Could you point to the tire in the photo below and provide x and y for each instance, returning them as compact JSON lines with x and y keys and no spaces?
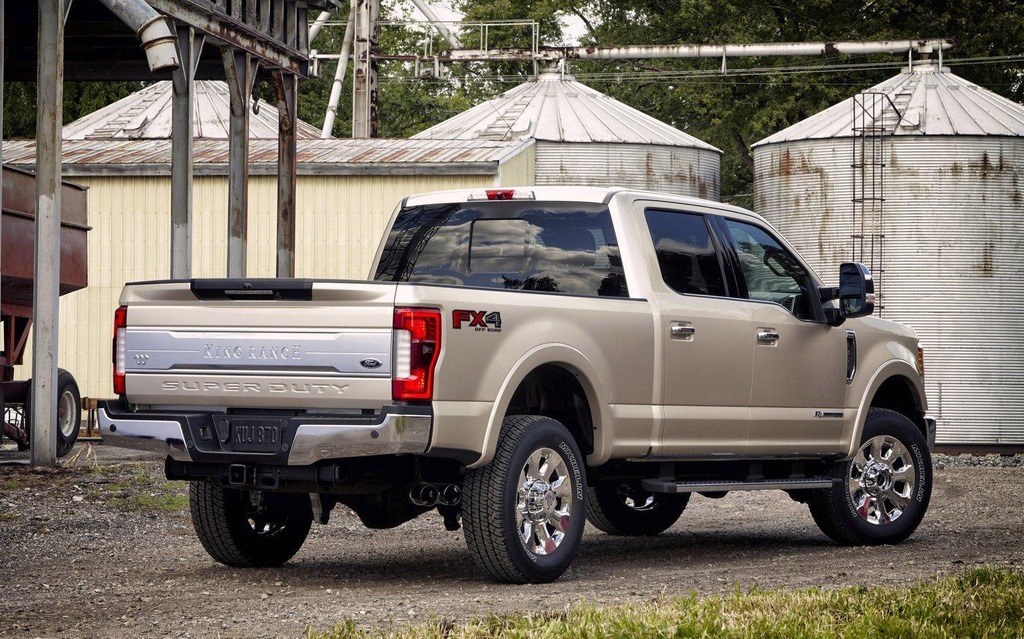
{"x":627,"y":509}
{"x":235,"y":534}
{"x":69,"y":412}
{"x":883,"y":492}
{"x":523,"y":514}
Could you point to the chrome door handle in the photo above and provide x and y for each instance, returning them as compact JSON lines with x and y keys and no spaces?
{"x":767,"y":336}
{"x":682,"y":330}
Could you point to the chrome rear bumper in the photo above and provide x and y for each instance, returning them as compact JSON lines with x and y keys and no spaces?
{"x":315,"y":439}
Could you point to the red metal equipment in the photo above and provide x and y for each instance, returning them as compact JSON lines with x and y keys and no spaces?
{"x":17,"y":264}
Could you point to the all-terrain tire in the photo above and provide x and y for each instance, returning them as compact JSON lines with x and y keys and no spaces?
{"x":630,"y":510}
{"x":880,"y":495}
{"x":523,"y":514}
{"x":235,"y":533}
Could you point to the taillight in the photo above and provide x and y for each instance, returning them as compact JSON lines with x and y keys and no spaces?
{"x":417,"y":345}
{"x":120,"y":326}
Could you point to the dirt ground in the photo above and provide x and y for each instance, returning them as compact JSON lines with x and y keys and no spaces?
{"x":108,"y":551}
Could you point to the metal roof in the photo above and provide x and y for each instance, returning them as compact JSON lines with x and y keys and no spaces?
{"x":330,"y":156}
{"x":557,"y":108}
{"x":932,"y":101}
{"x":146,"y":115}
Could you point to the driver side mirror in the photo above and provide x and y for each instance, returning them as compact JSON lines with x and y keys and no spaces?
{"x":856,"y":293}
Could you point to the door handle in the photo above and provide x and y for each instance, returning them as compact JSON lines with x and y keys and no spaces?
{"x":767,"y":336}
{"x":682,"y":331}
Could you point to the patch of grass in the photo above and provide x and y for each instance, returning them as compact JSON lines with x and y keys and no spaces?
{"x":981,"y":603}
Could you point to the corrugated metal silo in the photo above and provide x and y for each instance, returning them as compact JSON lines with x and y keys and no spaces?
{"x":945,"y":217}
{"x":584,"y":137}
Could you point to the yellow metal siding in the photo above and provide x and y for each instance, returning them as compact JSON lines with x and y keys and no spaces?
{"x":340,"y":221}
{"x":520,"y":170}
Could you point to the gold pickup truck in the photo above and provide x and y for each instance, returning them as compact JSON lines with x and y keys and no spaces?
{"x":526,"y":360}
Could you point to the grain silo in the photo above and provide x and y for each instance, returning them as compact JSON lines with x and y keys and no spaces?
{"x":586,"y":138}
{"x":920,"y":177}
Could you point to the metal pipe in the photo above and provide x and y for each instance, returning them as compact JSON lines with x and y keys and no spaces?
{"x":339,"y":74}
{"x":318,"y":24}
{"x":49,"y":109}
{"x":442,"y":28}
{"x":158,"y":39}
{"x":707,"y":50}
{"x":182,"y":101}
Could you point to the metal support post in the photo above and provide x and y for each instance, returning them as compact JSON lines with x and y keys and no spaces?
{"x":49,"y":110}
{"x":286,"y":87}
{"x":240,"y":73}
{"x":364,"y":80}
{"x":190,"y":47}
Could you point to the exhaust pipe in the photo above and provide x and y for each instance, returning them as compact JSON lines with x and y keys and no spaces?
{"x":158,"y":39}
{"x":429,"y":495}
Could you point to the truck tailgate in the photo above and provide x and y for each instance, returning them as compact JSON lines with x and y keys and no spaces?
{"x":259,"y":344}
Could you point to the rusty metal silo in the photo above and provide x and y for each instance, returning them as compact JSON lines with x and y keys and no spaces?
{"x":922,"y":176}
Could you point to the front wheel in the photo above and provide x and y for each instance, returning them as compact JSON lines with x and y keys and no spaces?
{"x":628,"y":509}
{"x":880,"y":495}
{"x":244,"y":529}
{"x":523,"y":513}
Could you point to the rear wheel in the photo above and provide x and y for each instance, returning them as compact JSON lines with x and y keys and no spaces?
{"x":627,"y":509}
{"x":882,"y":493}
{"x":523,"y":514}
{"x":246,"y":529}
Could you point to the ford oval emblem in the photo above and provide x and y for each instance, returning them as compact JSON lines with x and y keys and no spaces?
{"x":370,"y":362}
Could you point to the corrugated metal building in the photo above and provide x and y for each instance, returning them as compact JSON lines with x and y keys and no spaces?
{"x":346,"y":191}
{"x":948,"y":231}
{"x":584,"y":137}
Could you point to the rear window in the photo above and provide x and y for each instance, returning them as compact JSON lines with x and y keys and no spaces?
{"x":555,"y":247}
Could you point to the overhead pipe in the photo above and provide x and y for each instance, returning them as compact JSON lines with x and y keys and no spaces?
{"x":924,"y":46}
{"x":158,"y":39}
{"x":439,"y":25}
{"x":339,"y":74}
{"x":318,"y":24}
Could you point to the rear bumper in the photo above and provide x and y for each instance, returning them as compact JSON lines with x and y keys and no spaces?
{"x":306,"y":440}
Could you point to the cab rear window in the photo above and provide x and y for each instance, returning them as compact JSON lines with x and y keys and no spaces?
{"x":554,"y":247}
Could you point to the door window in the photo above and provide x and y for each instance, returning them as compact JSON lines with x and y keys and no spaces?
{"x":686,"y":254}
{"x":772,"y":273}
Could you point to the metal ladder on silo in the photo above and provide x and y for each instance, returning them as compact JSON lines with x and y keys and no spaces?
{"x":875,"y":116}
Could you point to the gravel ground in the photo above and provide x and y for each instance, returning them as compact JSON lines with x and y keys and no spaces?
{"x":108,"y":551}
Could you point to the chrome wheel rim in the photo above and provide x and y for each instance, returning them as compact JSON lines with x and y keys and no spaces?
{"x":544,"y":502}
{"x":66,"y":414}
{"x":881,"y":480}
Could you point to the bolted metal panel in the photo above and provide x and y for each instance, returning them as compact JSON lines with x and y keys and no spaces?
{"x":682,"y":170}
{"x":954,"y":232}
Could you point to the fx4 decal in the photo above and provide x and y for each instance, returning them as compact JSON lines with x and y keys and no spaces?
{"x":477,"y":320}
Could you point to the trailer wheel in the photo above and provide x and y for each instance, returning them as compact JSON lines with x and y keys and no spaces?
{"x":236,"y":532}
{"x":69,"y":412}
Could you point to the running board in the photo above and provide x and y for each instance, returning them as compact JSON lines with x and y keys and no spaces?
{"x":673,"y":486}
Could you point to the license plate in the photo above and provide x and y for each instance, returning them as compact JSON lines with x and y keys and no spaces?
{"x":254,"y":436}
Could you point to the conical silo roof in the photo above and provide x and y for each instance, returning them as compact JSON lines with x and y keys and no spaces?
{"x":146,"y":115}
{"x":932,"y":101}
{"x":556,"y":108}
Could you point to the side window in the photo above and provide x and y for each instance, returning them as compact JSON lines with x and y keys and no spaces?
{"x":772,"y":273}
{"x":686,"y":254}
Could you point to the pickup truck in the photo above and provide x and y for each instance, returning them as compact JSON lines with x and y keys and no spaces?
{"x":523,"y":361}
